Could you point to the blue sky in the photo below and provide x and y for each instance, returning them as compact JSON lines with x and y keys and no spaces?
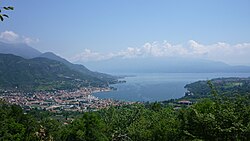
{"x":80,"y":28}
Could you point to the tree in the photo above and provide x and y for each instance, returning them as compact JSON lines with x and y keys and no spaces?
{"x":219,"y":118}
{"x":87,"y":128}
{"x":5,"y":8}
{"x":15,"y":125}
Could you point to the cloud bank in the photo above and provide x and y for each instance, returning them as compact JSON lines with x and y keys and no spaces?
{"x":12,"y":37}
{"x":237,"y":54}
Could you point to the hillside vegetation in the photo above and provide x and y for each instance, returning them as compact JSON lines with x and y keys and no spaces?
{"x":224,"y":86}
{"x":219,"y":118}
{"x":17,"y":73}
{"x":206,"y":120}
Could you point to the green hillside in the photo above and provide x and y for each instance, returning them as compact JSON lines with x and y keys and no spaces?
{"x":80,"y":68}
{"x":225,"y":86}
{"x":41,"y":74}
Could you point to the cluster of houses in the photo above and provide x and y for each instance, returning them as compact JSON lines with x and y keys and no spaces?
{"x":77,"y":100}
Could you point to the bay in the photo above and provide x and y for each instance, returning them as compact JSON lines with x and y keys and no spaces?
{"x":158,"y":86}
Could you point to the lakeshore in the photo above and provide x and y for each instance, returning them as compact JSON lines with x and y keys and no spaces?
{"x":142,"y":88}
{"x":153,"y":87}
{"x":62,"y":100}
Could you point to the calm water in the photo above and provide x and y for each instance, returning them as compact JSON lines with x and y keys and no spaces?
{"x":160,"y":86}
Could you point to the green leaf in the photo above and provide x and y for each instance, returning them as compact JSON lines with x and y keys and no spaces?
{"x":11,"y":8}
{"x":5,"y":8}
{"x":1,"y":17}
{"x":4,"y":15}
{"x":8,"y":8}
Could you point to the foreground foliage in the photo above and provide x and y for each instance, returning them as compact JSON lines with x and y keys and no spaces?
{"x":216,"y":118}
{"x":2,"y":10}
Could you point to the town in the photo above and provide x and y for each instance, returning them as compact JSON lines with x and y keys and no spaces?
{"x":80,"y":100}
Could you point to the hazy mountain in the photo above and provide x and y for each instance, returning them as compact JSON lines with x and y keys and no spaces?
{"x":79,"y":68}
{"x":162,"y":65}
{"x":19,"y":49}
{"x":121,"y":65}
{"x":41,"y":74}
{"x":28,"y":52}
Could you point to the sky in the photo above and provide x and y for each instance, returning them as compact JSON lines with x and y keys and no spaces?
{"x":94,"y":30}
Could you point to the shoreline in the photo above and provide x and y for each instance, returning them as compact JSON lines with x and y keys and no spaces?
{"x":63,"y":100}
{"x":158,"y":94}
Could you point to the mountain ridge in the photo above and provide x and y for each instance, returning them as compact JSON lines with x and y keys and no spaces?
{"x":164,"y":65}
{"x":19,"y":49}
{"x":28,"y":52}
{"x":17,"y":73}
{"x":78,"y":67}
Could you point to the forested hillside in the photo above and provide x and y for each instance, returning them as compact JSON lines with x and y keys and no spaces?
{"x":17,"y":73}
{"x":80,"y":68}
{"x":224,"y":86}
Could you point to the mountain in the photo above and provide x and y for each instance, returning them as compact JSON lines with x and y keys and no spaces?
{"x":163,"y":65}
{"x":41,"y":74}
{"x":80,"y":68}
{"x":28,"y":52}
{"x":19,"y":49}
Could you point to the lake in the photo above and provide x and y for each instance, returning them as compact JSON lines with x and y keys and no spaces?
{"x":158,"y":86}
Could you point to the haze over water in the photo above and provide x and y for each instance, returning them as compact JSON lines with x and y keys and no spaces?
{"x":159,"y":86}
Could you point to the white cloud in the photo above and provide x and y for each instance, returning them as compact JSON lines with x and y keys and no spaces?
{"x":9,"y":36}
{"x":232,"y":54}
{"x":196,"y":48}
{"x":12,"y":37}
{"x":88,"y":55}
{"x":29,"y":40}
